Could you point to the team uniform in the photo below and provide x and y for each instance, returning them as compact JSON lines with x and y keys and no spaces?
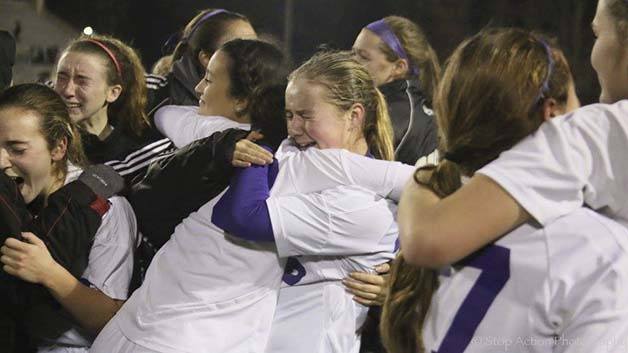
{"x":207,"y":291}
{"x":315,"y":313}
{"x":552,"y":289}
{"x":570,"y":160}
{"x":109,"y":268}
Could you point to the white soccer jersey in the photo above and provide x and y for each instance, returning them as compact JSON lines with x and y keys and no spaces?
{"x":208,"y":292}
{"x":183,"y":124}
{"x":110,"y":264}
{"x":561,"y":288}
{"x":326,"y":233}
{"x":575,"y":159}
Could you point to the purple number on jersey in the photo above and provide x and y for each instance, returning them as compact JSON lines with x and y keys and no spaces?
{"x":494,"y":261}
{"x":294,"y":271}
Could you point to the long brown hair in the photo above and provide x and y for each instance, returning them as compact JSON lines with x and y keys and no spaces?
{"x":490,"y":98}
{"x":347,"y":82}
{"x":419,"y":51}
{"x":124,"y":68}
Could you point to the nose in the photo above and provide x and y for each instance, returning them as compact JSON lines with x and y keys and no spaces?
{"x":200,"y":87}
{"x":5,"y":161}
{"x":65,"y":88}
{"x":295,"y":126}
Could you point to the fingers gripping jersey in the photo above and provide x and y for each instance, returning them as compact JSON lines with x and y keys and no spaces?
{"x":552,"y":289}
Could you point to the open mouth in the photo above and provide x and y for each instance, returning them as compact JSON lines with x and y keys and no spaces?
{"x":17,"y":179}
{"x":306,"y":146}
{"x":303,"y":146}
{"x":72,"y":105}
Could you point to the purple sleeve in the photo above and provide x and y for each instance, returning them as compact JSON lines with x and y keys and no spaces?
{"x":242,"y":210}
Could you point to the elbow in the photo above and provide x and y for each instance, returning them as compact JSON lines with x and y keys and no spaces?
{"x":96,"y":325}
{"x":94,"y":328}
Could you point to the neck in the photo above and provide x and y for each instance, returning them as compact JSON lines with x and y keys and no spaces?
{"x":58,"y":180}
{"x":98,"y":124}
{"x":242,"y":119}
{"x":360,"y":147}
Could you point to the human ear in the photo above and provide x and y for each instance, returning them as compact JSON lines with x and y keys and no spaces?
{"x":113,"y":93}
{"x":551,"y":109}
{"x":203,"y":58}
{"x":240,"y":106}
{"x":400,"y":69}
{"x":357,"y":115}
{"x":59,"y":150}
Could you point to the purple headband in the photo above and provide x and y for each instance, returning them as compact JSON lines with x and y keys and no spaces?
{"x":550,"y":69}
{"x":203,"y":19}
{"x":384,"y":32}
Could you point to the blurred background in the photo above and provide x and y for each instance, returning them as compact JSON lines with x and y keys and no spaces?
{"x":42,"y":28}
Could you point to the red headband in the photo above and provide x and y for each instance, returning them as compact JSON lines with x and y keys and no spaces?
{"x":109,"y":52}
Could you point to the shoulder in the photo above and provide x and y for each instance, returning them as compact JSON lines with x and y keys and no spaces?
{"x":592,"y":117}
{"x":587,"y":237}
{"x":119,"y":221}
{"x":177,"y":109}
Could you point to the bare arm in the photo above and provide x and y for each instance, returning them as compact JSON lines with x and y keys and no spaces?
{"x":437,"y":232}
{"x":32,"y":262}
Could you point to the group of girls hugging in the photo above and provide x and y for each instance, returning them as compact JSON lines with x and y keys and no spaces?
{"x":366,"y":201}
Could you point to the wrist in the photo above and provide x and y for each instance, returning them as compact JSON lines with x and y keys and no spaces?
{"x":56,"y":278}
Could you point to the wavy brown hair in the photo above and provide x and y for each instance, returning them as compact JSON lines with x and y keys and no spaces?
{"x":487,"y":101}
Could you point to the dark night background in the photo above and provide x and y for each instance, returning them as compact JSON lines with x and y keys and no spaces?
{"x":146,"y":24}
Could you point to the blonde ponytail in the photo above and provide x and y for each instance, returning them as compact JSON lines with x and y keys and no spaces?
{"x":379,"y":133}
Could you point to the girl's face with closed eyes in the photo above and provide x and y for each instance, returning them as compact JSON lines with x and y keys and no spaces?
{"x":313,"y":121}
